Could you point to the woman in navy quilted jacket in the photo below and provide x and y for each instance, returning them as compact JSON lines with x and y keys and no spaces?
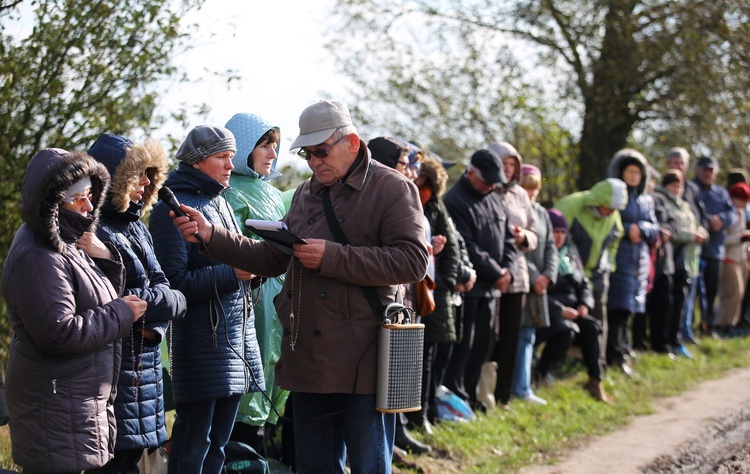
{"x":137,"y":171}
{"x":215,"y":355}
{"x":628,"y":283}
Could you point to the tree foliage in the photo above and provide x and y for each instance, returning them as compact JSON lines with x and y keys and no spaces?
{"x":583,"y":78}
{"x":78,"y":68}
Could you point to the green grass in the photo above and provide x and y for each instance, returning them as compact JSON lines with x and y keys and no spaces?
{"x":507,"y":441}
{"x":503,"y":441}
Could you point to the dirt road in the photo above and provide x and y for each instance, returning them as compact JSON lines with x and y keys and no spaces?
{"x":706,"y":429}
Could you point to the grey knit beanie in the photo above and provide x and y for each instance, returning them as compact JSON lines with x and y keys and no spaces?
{"x":204,"y":141}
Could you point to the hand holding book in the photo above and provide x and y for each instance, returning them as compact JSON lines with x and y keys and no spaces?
{"x":274,"y":232}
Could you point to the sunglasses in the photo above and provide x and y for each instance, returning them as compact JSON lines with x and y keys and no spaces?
{"x":321,"y":153}
{"x":80,"y":200}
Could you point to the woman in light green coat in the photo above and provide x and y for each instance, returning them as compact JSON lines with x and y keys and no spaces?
{"x":253,"y":197}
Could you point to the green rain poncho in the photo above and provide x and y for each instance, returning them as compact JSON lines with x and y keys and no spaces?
{"x":252,"y":197}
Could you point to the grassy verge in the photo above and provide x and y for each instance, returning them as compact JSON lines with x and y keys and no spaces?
{"x":507,"y":441}
{"x":503,"y":441}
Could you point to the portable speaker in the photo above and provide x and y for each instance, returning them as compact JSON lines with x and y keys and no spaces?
{"x":400,"y":352}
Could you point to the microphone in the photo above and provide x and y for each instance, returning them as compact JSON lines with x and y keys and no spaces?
{"x":168,"y":197}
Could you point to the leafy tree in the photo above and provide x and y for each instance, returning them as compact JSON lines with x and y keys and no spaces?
{"x":83,"y":68}
{"x":674,"y":71}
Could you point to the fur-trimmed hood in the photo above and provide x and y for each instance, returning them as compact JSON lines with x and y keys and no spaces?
{"x":625,"y":157}
{"x":435,"y":175}
{"x":49,"y":174}
{"x":126,"y":161}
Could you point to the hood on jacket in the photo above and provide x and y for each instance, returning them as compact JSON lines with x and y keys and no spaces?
{"x":247,"y":130}
{"x":505,"y":150}
{"x":49,"y":174}
{"x":625,"y":157}
{"x":435,"y":175}
{"x":611,"y":193}
{"x":125,"y":162}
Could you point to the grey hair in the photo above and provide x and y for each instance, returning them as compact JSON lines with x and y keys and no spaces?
{"x":679,"y":152}
{"x":344,"y":131}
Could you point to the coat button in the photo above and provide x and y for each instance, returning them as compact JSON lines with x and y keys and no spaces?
{"x":311,"y":221}
{"x":324,"y":296}
{"x":287,"y":332}
{"x":340,"y":218}
{"x":316,"y":333}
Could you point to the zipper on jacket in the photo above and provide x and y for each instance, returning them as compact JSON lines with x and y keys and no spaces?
{"x":54,"y":386}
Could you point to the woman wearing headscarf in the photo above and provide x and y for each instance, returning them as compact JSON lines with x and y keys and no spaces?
{"x":61,"y":285}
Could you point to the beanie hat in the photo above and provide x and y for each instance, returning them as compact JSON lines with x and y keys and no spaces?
{"x":740,"y":191}
{"x":530,"y":170}
{"x":387,"y":150}
{"x":204,"y":141}
{"x":78,"y":187}
{"x":671,"y":176}
{"x":558,"y":220}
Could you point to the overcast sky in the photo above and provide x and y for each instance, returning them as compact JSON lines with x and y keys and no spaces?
{"x":277,"y":49}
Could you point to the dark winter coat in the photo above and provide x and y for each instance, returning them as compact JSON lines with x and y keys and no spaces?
{"x":218,"y":321}
{"x":629,"y":282}
{"x":440,"y":325}
{"x":665,"y":254}
{"x":139,"y":406}
{"x":571,"y":289}
{"x":483,"y":223}
{"x":67,"y":321}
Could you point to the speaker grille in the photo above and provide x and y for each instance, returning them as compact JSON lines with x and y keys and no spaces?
{"x":400,"y":352}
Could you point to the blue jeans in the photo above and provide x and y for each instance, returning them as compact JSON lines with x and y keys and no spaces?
{"x":327,"y":427}
{"x":199,"y":434}
{"x":686,"y":325}
{"x":521,"y":386}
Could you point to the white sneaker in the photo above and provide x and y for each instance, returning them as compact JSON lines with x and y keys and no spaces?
{"x":534,"y":399}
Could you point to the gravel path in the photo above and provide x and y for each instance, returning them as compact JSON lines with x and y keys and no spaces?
{"x":704,"y":430}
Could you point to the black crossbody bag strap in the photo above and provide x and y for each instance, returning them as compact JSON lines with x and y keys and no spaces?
{"x":338,"y":234}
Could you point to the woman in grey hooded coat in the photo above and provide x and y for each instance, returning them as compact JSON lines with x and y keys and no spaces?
{"x":66,"y":317}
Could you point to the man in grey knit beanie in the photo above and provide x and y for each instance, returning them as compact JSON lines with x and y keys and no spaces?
{"x":204,"y":141}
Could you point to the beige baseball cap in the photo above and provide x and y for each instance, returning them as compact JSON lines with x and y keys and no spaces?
{"x":318,"y":122}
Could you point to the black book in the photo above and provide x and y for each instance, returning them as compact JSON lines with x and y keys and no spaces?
{"x":274,"y":232}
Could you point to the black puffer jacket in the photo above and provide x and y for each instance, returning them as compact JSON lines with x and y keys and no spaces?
{"x":67,"y":321}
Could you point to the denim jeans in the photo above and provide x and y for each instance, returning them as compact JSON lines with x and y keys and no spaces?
{"x":686,"y":323}
{"x":328,"y":427}
{"x":200,"y":432}
{"x":521,"y":386}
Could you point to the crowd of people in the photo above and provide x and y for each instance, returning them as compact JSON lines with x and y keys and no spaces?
{"x":262,"y":335}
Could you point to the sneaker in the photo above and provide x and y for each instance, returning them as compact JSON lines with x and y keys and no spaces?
{"x":682,"y":351}
{"x":533,"y":399}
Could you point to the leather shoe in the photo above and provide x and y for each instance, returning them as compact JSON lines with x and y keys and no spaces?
{"x":596,"y":389}
{"x":406,"y":442}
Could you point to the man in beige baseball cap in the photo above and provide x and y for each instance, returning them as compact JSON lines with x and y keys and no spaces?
{"x":329,"y":342}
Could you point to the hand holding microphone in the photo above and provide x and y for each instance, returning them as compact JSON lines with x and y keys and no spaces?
{"x":194,"y":223}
